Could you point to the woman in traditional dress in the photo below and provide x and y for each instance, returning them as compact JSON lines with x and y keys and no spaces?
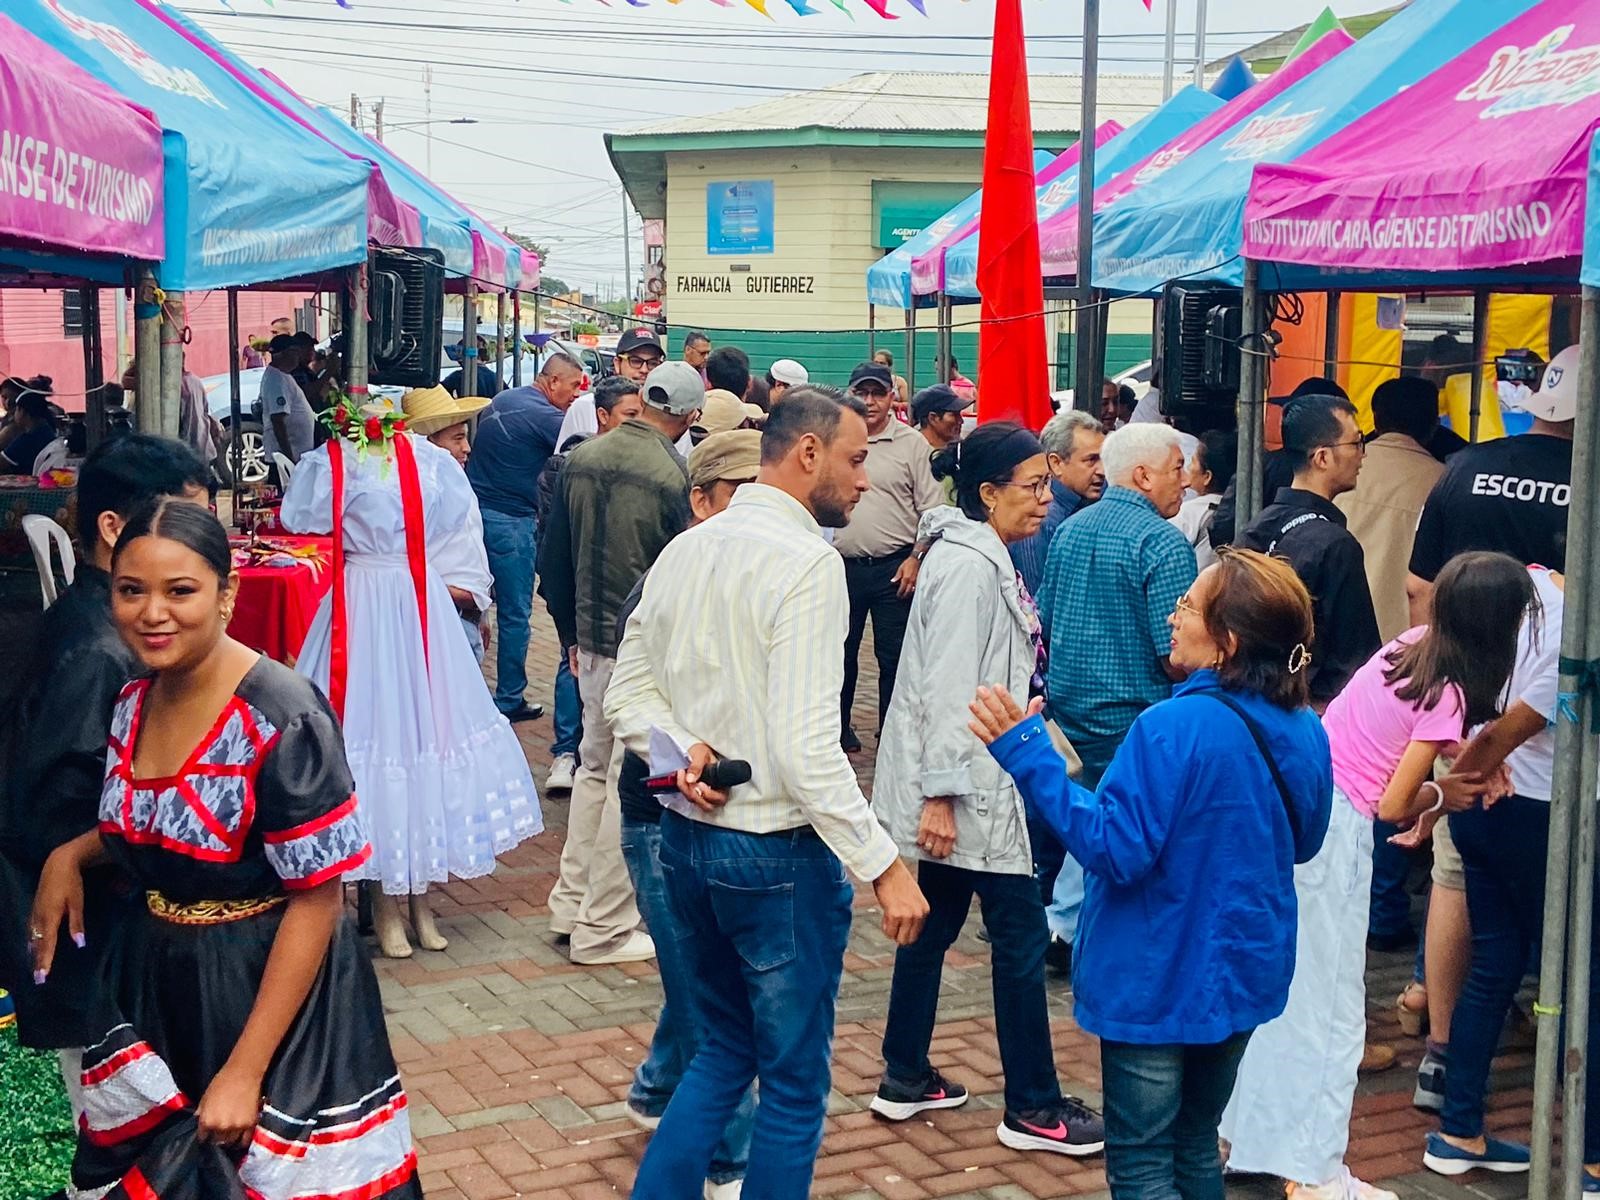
{"x":442,"y":779}
{"x":244,"y":1050}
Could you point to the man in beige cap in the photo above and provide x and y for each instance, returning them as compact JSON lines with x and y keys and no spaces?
{"x":723,"y":412}
{"x":459,"y":558}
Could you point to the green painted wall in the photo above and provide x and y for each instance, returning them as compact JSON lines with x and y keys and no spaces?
{"x":1123,"y":350}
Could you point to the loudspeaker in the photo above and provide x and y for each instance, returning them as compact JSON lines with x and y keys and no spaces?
{"x":1200,"y":330}
{"x":405,"y":298}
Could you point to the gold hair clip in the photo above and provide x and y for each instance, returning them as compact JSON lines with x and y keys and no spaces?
{"x":1299,"y":658}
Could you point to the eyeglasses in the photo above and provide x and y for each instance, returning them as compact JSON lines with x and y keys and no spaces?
{"x":1362,"y":442}
{"x":649,"y":363}
{"x":1186,"y":605}
{"x":869,"y":393}
{"x":1040,"y":487}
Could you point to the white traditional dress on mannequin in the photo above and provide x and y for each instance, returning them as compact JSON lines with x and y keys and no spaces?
{"x":440,"y":774}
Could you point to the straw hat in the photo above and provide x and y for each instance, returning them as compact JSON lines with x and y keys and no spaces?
{"x":429,"y":410}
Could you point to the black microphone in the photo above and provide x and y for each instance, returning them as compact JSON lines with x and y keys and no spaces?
{"x":722,"y":774}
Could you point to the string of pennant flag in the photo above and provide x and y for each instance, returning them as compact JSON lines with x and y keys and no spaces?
{"x":803,"y":8}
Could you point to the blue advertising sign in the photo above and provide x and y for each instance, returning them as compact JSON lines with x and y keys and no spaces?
{"x":739,"y":217}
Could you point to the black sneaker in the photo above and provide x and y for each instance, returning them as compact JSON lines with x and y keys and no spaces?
{"x":896,"y":1103}
{"x":1429,"y":1095}
{"x":1058,"y":957}
{"x":1073,"y":1128}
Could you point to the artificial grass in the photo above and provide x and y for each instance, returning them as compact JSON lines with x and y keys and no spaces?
{"x":36,"y":1136}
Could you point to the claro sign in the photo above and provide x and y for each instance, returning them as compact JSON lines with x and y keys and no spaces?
{"x":754,"y":285}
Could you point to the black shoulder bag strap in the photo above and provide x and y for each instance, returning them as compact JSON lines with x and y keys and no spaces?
{"x":1260,"y":739}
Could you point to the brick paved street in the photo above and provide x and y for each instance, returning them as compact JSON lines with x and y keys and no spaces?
{"x":517,"y":1062}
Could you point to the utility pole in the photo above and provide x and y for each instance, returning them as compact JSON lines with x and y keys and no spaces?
{"x":627,"y":250}
{"x":1200,"y":43}
{"x":1167,"y":61}
{"x":1086,"y":377}
{"x":377,"y":119}
{"x":355,"y":111}
{"x":427,"y":116}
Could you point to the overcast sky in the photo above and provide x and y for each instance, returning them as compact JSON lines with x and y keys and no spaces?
{"x":545,"y":79}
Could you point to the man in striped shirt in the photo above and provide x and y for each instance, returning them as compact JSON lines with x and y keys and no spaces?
{"x":734,"y":652}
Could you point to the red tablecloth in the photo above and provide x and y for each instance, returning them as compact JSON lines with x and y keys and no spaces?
{"x":276,"y":604}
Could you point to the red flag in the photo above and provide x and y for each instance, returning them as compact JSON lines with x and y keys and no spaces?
{"x":1013,"y":370}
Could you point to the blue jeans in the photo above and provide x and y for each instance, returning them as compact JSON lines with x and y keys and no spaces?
{"x":1066,"y":896}
{"x":763,"y":920}
{"x":1503,"y":855}
{"x":568,"y":715}
{"x":1014,"y":916}
{"x":1162,"y":1108}
{"x":510,"y":545}
{"x":677,"y":1035}
{"x":1390,"y":911}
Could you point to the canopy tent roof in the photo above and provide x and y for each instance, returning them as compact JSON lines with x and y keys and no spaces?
{"x":1491,"y":178}
{"x":80,"y":166}
{"x":235,"y":212}
{"x":889,"y":279}
{"x":1059,"y":198}
{"x":928,"y":268}
{"x":1058,"y":238}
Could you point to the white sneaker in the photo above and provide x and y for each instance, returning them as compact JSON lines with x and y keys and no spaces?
{"x":642,"y":1119}
{"x":563,"y":770}
{"x":1343,"y":1186}
{"x":637,"y":947}
{"x":724,"y":1191}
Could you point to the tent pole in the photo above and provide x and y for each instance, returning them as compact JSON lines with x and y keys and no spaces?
{"x":1330,"y":335}
{"x":173,"y":317}
{"x":1250,"y":434}
{"x":872,"y":330}
{"x":94,"y":394}
{"x":911,"y":347}
{"x":499,"y":342}
{"x":235,"y":404}
{"x":1571,"y":823}
{"x":516,"y":339}
{"x":147,"y":352}
{"x":469,"y":340}
{"x":942,"y":342}
{"x":1480,"y":348}
{"x":357,"y":368}
{"x":1086,"y":378}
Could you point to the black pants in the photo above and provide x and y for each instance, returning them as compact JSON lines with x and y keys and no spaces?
{"x":870,"y":582}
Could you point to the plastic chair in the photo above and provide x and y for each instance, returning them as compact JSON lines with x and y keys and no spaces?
{"x":285,"y":468}
{"x":40,"y":532}
{"x":52,"y":456}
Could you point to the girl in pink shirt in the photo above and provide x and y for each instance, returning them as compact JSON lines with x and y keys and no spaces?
{"x":1409,"y":703}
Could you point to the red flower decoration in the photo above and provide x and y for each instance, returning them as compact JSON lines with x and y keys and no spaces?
{"x":374,"y":429}
{"x":400,"y":426}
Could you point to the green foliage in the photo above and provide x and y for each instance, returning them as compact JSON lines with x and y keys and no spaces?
{"x":36,"y":1137}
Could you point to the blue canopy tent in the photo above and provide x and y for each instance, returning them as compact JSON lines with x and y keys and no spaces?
{"x":1132,"y":145}
{"x":1189,"y":223}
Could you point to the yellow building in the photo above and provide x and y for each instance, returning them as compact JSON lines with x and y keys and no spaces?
{"x":773,"y":212}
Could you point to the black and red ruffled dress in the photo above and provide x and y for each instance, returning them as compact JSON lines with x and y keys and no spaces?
{"x":263,"y":806}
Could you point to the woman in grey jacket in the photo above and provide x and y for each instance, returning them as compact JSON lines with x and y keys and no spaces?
{"x":950,"y":806}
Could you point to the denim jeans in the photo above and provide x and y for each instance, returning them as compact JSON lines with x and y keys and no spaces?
{"x":1390,"y":911}
{"x":1503,"y":854}
{"x":568,"y":715}
{"x":763,"y":920}
{"x":677,"y":1035}
{"x":1014,"y":916}
{"x":509,"y":542}
{"x":1066,"y":895}
{"x":1162,"y":1108}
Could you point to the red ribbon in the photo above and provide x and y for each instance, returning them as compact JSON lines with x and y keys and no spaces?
{"x":416,"y":560}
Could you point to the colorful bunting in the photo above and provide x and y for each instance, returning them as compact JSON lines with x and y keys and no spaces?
{"x":881,"y":7}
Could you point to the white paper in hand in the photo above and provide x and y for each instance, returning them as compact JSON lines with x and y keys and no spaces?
{"x":666,"y":755}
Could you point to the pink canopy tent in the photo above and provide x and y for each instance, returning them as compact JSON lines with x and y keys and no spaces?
{"x":80,"y":166}
{"x":530,"y":270}
{"x":1058,"y":237}
{"x":927,"y":268}
{"x":1480,"y":166}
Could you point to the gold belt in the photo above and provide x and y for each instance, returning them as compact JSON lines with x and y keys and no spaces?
{"x":209,"y":912}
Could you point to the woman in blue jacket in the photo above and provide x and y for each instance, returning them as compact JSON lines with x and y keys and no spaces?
{"x":1187,"y":940}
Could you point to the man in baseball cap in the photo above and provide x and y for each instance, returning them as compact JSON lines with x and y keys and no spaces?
{"x":638,"y":353}
{"x":719,"y":465}
{"x":783,"y":375}
{"x":936,"y":412}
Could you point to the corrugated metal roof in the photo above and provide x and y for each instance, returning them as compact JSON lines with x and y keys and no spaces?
{"x":920,"y":100}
